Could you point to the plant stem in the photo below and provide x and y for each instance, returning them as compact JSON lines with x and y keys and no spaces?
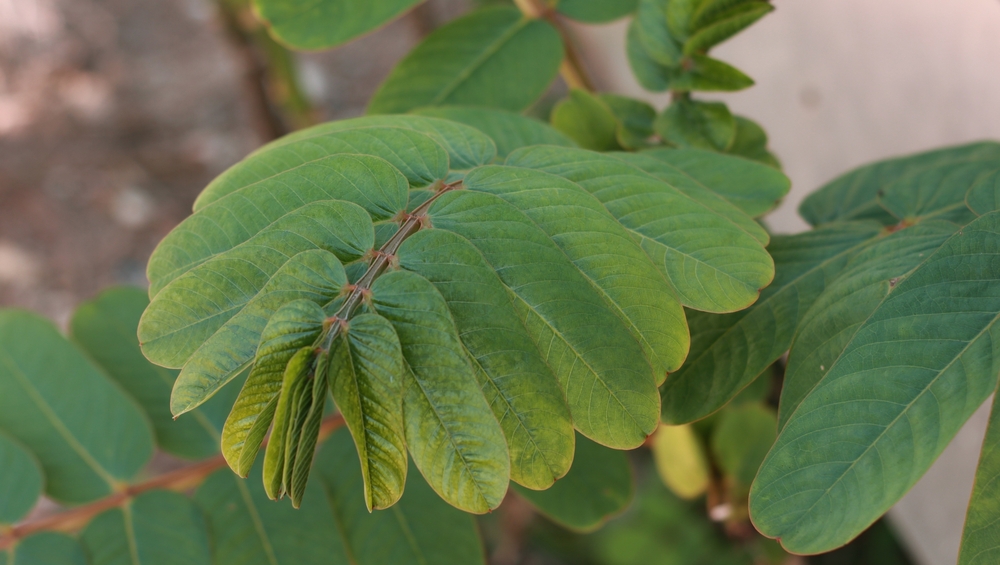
{"x":571,"y":68}
{"x":179,"y":480}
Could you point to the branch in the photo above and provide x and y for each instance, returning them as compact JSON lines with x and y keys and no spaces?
{"x":571,"y":68}
{"x":179,"y":480}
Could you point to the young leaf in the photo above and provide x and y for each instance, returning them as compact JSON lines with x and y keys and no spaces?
{"x":492,"y":57}
{"x":710,"y":11}
{"x":712,"y":264}
{"x":979,"y":537}
{"x":705,"y":125}
{"x":753,"y":188}
{"x":518,"y":383}
{"x":50,"y":400}
{"x":937,"y":192}
{"x":700,"y":72}
{"x":635,"y":120}
{"x":586,"y":120}
{"x":650,"y":73}
{"x":729,"y":351}
{"x":680,"y":460}
{"x":452,"y":435}
{"x":106,"y":330}
{"x":46,"y":548}
{"x":854,"y":195}
{"x":906,"y":381}
{"x":155,"y":528}
{"x":679,"y":13}
{"x":366,"y":378}
{"x":596,"y":11}
{"x":418,"y":530}
{"x":508,"y":130}
{"x":21,"y":481}
{"x":247,"y":528}
{"x":648,"y":34}
{"x":984,"y":196}
{"x":280,"y":450}
{"x":598,"y":487}
{"x":320,"y":25}
{"x":294,"y":326}
{"x":607,"y":382}
{"x":725,"y":25}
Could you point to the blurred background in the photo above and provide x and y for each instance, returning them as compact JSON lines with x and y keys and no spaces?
{"x":115,"y":113}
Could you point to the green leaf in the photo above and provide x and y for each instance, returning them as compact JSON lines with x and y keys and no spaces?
{"x":257,"y":211}
{"x":314,"y":275}
{"x":710,"y":11}
{"x":712,"y":263}
{"x":50,"y":391}
{"x":679,"y":13}
{"x":699,"y":72}
{"x":586,"y":120}
{"x":249,"y":529}
{"x":726,"y":25}
{"x":418,"y":530}
{"x":21,"y":481}
{"x":46,"y":548}
{"x":854,"y":195}
{"x":105,"y":328}
{"x":508,"y":130}
{"x":705,"y":125}
{"x":608,"y":385}
{"x":590,"y":236}
{"x":648,"y":34}
{"x":729,"y":351}
{"x":492,"y":57}
{"x":751,"y":142}
{"x":413,"y":151}
{"x":979,"y":537}
{"x":518,"y":383}
{"x":598,"y":487}
{"x":740,"y":441}
{"x":680,"y":461}
{"x":984,"y":196}
{"x":155,"y":528}
{"x":938,"y":192}
{"x":650,"y":72}
{"x":452,"y":435}
{"x":366,"y":378}
{"x":749,"y":186}
{"x":320,"y":25}
{"x":596,"y":11}
{"x":833,"y":319}
{"x":280,"y":454}
{"x":635,"y":120}
{"x":292,"y":327}
{"x":920,"y":364}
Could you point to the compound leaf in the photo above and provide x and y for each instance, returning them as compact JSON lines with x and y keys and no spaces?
{"x":911,"y":374}
{"x":492,"y":57}
{"x":320,"y":25}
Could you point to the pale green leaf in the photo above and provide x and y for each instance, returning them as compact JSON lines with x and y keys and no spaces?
{"x":937,"y":192}
{"x":106,"y":330}
{"x":294,"y":326}
{"x":366,"y":378}
{"x":598,"y":487}
{"x":508,"y":130}
{"x":854,"y":195}
{"x":713,"y":264}
{"x":50,"y":391}
{"x":155,"y":528}
{"x":984,"y":196}
{"x":420,"y":529}
{"x":982,"y":530}
{"x":704,"y":125}
{"x":725,"y":25}
{"x":21,"y":481}
{"x":680,"y":460}
{"x":587,"y":120}
{"x":729,"y":351}
{"x":596,"y":11}
{"x":455,"y":441}
{"x":249,"y":529}
{"x":608,"y":385}
{"x":910,"y":375}
{"x":46,"y":548}
{"x":519,"y":385}
{"x":327,"y":23}
{"x":635,"y":120}
{"x":282,"y":445}
{"x":749,"y":186}
{"x":741,"y":439}
{"x":492,"y":57}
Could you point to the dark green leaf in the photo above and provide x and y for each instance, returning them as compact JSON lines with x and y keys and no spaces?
{"x":937,"y":192}
{"x":648,"y":34}
{"x":706,"y":125}
{"x":597,"y":487}
{"x":21,"y":481}
{"x":699,"y":72}
{"x":51,"y":392}
{"x":751,"y":142}
{"x":155,"y":528}
{"x":46,"y":548}
{"x":725,"y":25}
{"x":650,"y":73}
{"x":455,"y":441}
{"x":418,"y":530}
{"x":635,"y":120}
{"x":979,"y":538}
{"x":907,"y":379}
{"x":586,"y":120}
{"x":740,"y":441}
{"x":508,"y":130}
{"x":319,"y":25}
{"x":679,"y":14}
{"x":596,"y":11}
{"x":492,"y":57}
{"x":984,"y":196}
{"x":729,"y":351}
